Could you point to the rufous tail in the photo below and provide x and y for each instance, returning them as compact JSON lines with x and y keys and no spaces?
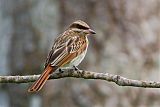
{"x":42,"y":79}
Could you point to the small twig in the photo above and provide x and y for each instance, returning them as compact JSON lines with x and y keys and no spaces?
{"x":119,"y":80}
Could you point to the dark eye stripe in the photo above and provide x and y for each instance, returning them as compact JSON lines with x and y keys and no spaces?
{"x":78,"y":26}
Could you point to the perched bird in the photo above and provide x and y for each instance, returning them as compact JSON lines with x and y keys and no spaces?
{"x":68,"y":50}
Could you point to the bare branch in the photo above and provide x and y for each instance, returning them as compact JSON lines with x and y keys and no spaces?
{"x":119,"y":80}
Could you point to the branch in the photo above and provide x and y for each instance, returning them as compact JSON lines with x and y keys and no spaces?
{"x":119,"y":80}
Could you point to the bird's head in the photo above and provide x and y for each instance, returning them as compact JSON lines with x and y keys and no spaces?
{"x":81,"y":27}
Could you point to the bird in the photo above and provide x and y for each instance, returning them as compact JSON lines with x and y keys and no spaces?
{"x":68,"y":50}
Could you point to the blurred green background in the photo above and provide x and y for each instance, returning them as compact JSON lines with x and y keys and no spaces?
{"x":127,"y":43}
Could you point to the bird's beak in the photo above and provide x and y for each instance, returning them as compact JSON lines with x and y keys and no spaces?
{"x":91,"y":31}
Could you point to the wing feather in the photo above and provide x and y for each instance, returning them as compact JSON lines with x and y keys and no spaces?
{"x":63,"y":52}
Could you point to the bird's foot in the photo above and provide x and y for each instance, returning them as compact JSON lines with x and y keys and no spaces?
{"x":61,"y":70}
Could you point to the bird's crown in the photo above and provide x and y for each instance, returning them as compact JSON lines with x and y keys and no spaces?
{"x":79,"y":24}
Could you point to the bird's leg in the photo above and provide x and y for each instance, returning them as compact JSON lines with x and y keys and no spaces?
{"x":75,"y":68}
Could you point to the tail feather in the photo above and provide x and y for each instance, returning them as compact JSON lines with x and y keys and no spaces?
{"x":41,"y":80}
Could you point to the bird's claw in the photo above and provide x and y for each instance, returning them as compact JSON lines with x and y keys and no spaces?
{"x":60,"y":70}
{"x":75,"y":68}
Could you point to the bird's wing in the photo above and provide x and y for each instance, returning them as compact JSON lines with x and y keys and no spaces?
{"x":64,"y":51}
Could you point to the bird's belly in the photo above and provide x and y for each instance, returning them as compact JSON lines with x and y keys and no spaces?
{"x":76,"y":61}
